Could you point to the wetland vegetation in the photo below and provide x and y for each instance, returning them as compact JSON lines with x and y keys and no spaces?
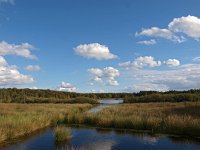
{"x":176,"y":117}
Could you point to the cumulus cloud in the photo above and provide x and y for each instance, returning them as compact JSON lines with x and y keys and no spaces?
{"x":148,"y":42}
{"x":64,"y":86}
{"x":94,"y":50}
{"x":172,"y":62}
{"x":33,"y":68}
{"x":186,"y":25}
{"x":96,"y":71}
{"x":189,"y":25}
{"x":9,"y":75}
{"x":97,"y":79}
{"x":156,"y":32}
{"x":105,"y":76}
{"x":184,"y":77}
{"x":141,"y":62}
{"x":161,"y":33}
{"x":2,"y":61}
{"x":23,"y":50}
{"x":112,"y":82}
{"x":110,"y":72}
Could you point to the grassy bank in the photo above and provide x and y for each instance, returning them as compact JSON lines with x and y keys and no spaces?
{"x":22,"y":119}
{"x":170,"y":118}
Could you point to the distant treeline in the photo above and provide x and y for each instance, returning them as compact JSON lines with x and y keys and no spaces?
{"x":170,"y":96}
{"x":14,"y":95}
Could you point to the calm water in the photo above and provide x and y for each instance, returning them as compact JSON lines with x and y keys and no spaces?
{"x":105,"y":104}
{"x":99,"y":139}
{"x":110,"y":102}
{"x":96,"y":139}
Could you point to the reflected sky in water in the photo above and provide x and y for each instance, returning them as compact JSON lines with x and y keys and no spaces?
{"x":98,"y":139}
{"x":105,"y":104}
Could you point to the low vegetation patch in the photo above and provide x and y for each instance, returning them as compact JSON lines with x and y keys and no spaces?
{"x":62,"y":133}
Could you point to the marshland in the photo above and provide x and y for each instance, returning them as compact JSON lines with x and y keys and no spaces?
{"x":64,"y":119}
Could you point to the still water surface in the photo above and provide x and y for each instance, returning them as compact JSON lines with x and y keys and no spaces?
{"x":105,"y":104}
{"x":98,"y":139}
{"x":101,"y":139}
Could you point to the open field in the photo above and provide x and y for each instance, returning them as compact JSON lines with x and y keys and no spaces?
{"x":22,"y":119}
{"x":170,"y":118}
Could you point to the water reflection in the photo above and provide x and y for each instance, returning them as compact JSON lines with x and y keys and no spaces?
{"x":105,"y":104}
{"x":104,"y":139}
{"x":110,"y":102}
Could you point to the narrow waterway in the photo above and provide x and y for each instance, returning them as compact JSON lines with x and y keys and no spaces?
{"x":105,"y":104}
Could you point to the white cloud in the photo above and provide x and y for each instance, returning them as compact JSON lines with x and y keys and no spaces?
{"x":64,"y":86}
{"x":2,"y":61}
{"x":97,"y":79}
{"x":149,"y":42}
{"x":172,"y":62}
{"x":9,"y":75}
{"x":147,"y":87}
{"x":99,"y":91}
{"x":110,"y":72}
{"x":105,"y":76}
{"x":93,"y":91}
{"x":189,"y":25}
{"x":33,"y":68}
{"x":161,"y":33}
{"x":141,"y":62}
{"x":156,"y":32}
{"x":196,"y":58}
{"x":96,"y":71}
{"x":34,"y":88}
{"x":112,"y":82}
{"x":12,"y":2}
{"x":23,"y":50}
{"x":186,"y":25}
{"x":94,"y":50}
{"x":184,"y":77}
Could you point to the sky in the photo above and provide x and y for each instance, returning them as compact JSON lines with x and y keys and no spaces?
{"x":100,"y":46}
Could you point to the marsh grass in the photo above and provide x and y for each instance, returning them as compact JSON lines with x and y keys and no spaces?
{"x":23,"y":119}
{"x":171,"y":118}
{"x":62,"y":134}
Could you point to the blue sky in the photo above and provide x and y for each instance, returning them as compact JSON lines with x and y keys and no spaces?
{"x":100,"y":46}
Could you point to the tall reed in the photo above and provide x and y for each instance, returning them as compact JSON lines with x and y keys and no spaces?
{"x":22,"y":119}
{"x":62,"y":133}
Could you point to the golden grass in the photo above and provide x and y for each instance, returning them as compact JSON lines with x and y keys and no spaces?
{"x":172,"y":118}
{"x":21,"y":119}
{"x":62,"y":133}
